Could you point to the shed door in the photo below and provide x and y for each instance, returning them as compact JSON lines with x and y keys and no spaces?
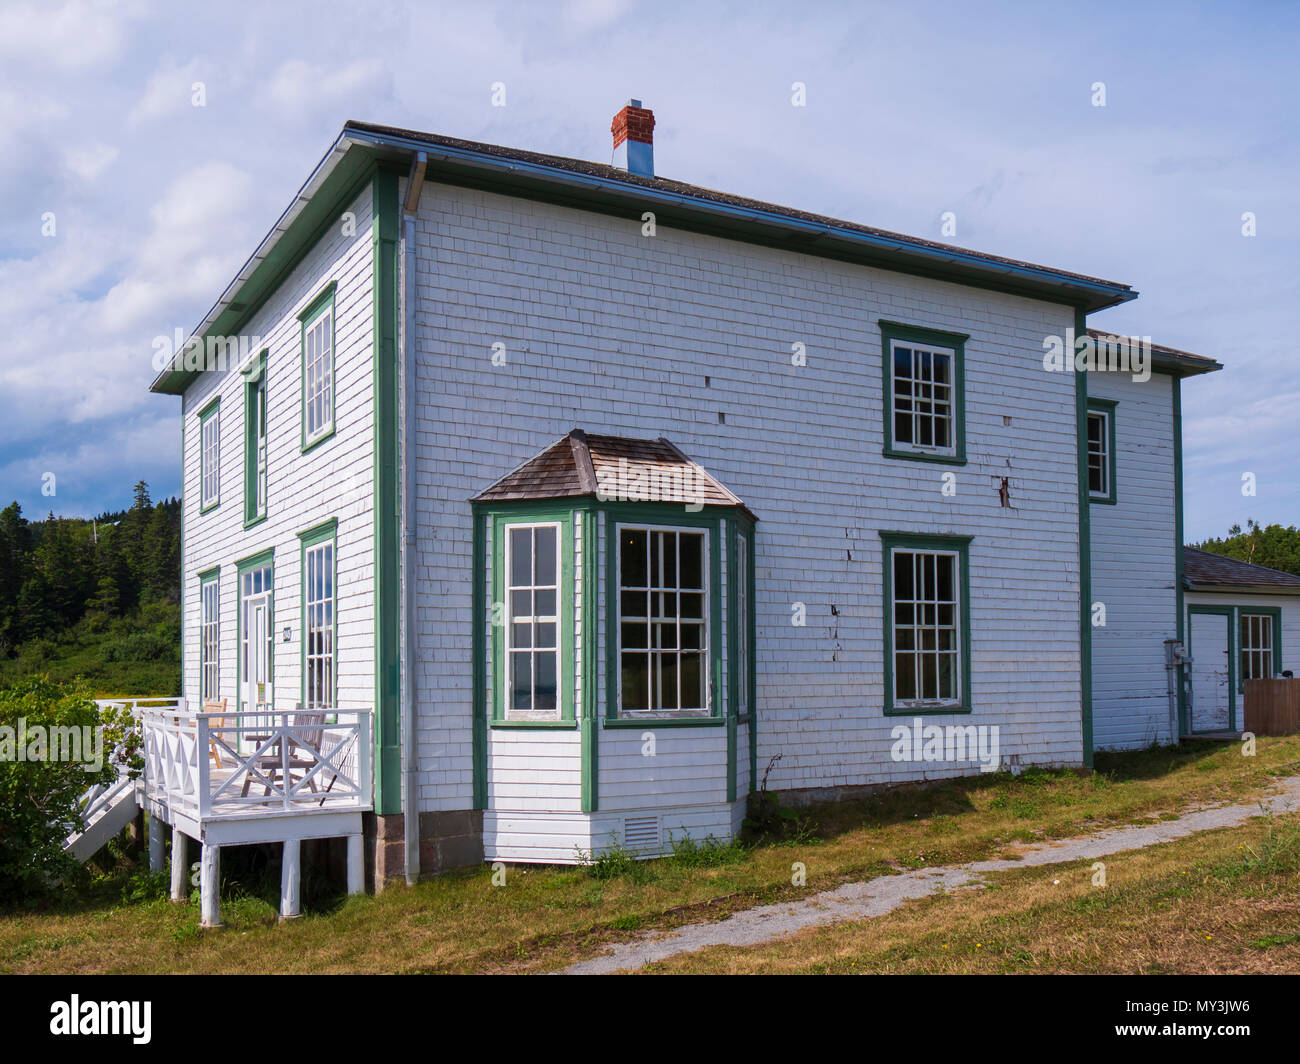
{"x":1211,"y":672}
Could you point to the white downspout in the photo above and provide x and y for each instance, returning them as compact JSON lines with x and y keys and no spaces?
{"x":410,"y":758}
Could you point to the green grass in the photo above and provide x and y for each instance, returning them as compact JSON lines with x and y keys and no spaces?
{"x":1224,"y":901}
{"x":543,"y":917}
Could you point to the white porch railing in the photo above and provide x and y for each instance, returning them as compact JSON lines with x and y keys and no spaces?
{"x":206,"y":765}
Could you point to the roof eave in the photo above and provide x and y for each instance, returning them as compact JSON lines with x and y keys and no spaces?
{"x":888,"y":251}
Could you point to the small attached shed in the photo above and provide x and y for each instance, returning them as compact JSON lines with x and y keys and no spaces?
{"x":1243,"y":623}
{"x":613,"y":586}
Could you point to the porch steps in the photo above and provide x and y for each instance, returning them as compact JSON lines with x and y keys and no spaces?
{"x":106,"y":814}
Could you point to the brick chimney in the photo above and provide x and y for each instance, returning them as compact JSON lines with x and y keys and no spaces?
{"x":634,"y":135}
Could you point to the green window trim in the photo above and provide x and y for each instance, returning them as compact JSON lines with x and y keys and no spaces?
{"x":325,"y":532}
{"x":255,"y":381}
{"x":959,"y":545}
{"x":263,"y":558}
{"x":209,"y":411}
{"x":1234,"y":661}
{"x":664,"y":516}
{"x":562,"y":518}
{"x":891,"y":331}
{"x":1274,"y":613}
{"x":1106,"y":408}
{"x":320,"y":303}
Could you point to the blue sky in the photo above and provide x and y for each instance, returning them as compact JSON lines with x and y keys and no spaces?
{"x":912,"y":110}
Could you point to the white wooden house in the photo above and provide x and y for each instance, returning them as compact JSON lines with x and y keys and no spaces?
{"x":589,"y":492}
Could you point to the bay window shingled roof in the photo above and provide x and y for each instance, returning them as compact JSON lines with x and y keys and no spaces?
{"x":1203,"y":570}
{"x":614,"y":468}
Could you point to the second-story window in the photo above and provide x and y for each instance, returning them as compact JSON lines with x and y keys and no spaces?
{"x":255,"y":442}
{"x":210,"y":455}
{"x":318,"y":369}
{"x":924,"y":393}
{"x":1101,"y":450}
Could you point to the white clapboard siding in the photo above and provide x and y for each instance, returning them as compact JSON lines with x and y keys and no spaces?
{"x":1133,"y":567}
{"x":334,"y":480}
{"x":616,"y":333}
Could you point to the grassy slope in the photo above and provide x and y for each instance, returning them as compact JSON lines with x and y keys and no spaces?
{"x":544,"y":917}
{"x":1224,"y":902}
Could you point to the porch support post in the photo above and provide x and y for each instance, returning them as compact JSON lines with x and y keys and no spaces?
{"x":356,"y":866}
{"x":180,"y":865}
{"x":209,"y":886}
{"x":290,"y":879}
{"x":155,"y":844}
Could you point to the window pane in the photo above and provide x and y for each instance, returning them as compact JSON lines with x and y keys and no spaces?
{"x":544,"y":681}
{"x":693,"y":681}
{"x":633,"y":559}
{"x":633,"y":604}
{"x":634,"y":635}
{"x":521,"y":557}
{"x":668,"y":682}
{"x":692,"y":561}
{"x":905,"y":676}
{"x":545,"y":556}
{"x":903,"y":588}
{"x":521,"y":680}
{"x":544,"y":602}
{"x":636,"y":670}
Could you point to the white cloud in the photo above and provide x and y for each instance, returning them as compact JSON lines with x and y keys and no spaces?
{"x":170,"y":91}
{"x":298,"y":87}
{"x":72,"y":36}
{"x":89,"y":161}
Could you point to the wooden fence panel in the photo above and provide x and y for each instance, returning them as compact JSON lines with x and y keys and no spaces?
{"x":1273,"y":707}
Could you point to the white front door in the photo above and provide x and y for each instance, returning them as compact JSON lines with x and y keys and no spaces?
{"x":1211,"y":650}
{"x":256,"y":690}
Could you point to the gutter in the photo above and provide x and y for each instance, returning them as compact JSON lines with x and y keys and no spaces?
{"x":410,"y":691}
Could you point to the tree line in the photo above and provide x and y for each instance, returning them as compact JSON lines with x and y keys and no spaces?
{"x":55,"y":572}
{"x":1272,"y":546}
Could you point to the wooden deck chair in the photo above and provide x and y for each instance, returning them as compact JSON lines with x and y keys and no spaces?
{"x":309,"y":730}
{"x":217,"y":705}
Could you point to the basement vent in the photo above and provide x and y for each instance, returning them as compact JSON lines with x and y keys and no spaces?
{"x":641,"y":832}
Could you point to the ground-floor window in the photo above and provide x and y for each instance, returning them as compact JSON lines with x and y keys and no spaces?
{"x":926,"y":623}
{"x":1257,"y":642}
{"x":209,"y":638}
{"x":319,"y":613}
{"x":663,"y":606}
{"x":532,"y":622}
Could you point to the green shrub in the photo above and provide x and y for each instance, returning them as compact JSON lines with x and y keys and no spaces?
{"x":39,"y":798}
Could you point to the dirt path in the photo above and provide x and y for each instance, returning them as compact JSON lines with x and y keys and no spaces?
{"x":875,"y":897}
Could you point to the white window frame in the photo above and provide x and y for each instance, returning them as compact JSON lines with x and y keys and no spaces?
{"x":209,"y":637}
{"x":917,"y":349}
{"x":917,"y":627}
{"x":509,"y":712}
{"x":314,"y":573}
{"x":1102,"y":452}
{"x":318,"y":375}
{"x":210,"y":457}
{"x":1261,"y":623}
{"x":706,"y":711}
